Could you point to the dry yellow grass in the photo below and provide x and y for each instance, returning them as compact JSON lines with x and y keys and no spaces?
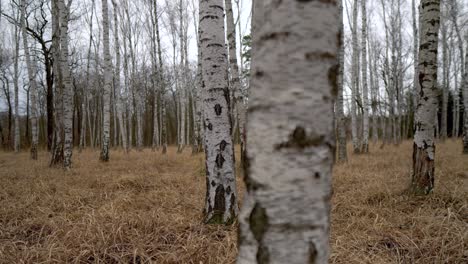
{"x":146,"y":208}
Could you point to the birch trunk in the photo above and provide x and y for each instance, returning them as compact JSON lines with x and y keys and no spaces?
{"x":415,"y":56}
{"x":465,"y":103}
{"x":422,"y":181}
{"x":197,"y":139}
{"x":373,"y":58}
{"x":68,"y":105}
{"x":221,"y":196}
{"x":163,"y":84}
{"x":16,"y":85}
{"x":32,"y":83}
{"x":445,"y":80}
{"x":107,"y":84}
{"x":355,"y":82}
{"x":365,"y":103}
{"x":118,"y":89}
{"x":456,"y":97}
{"x":181,"y":87}
{"x":285,"y":215}
{"x":57,"y":148}
{"x":234,"y":80}
{"x":340,"y":116}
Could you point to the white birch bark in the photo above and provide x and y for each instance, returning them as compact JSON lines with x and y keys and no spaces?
{"x":118,"y":88}
{"x":340,"y":116}
{"x":415,"y":55}
{"x":424,"y":144}
{"x":32,"y":84}
{"x":465,"y":102}
{"x":162,"y":82}
{"x":445,"y":73}
{"x":68,"y":104}
{"x":221,"y":196}
{"x":234,"y":81}
{"x":107,"y":84}
{"x":365,"y":96}
{"x":16,"y":87}
{"x":355,"y":82}
{"x":285,"y":216}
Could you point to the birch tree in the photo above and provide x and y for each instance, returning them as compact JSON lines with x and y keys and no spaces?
{"x":68,"y":106}
{"x":415,"y":54}
{"x":234,"y":81}
{"x":107,"y":84}
{"x":465,"y":102}
{"x":365,"y":104}
{"x":355,"y":81}
{"x":422,"y":181}
{"x":16,"y":87}
{"x":285,"y":215}
{"x":162,"y":81}
{"x":117,"y":79}
{"x":340,"y":116}
{"x":32,"y":83}
{"x":221,"y":197}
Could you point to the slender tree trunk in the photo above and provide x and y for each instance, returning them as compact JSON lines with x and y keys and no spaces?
{"x":57,"y":148}
{"x":221,"y":197}
{"x":465,"y":103}
{"x":415,"y":56}
{"x":16,"y":86}
{"x":424,"y":145}
{"x":198,"y":96}
{"x":68,"y":95}
{"x":234,"y":75}
{"x":290,"y":148}
{"x":355,"y":81}
{"x":107,"y":84}
{"x":163,"y":84}
{"x":118,"y":89}
{"x":365,"y":103}
{"x":32,"y":83}
{"x":340,"y":116}
{"x":445,"y":81}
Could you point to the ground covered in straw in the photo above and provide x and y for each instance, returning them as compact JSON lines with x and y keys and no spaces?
{"x":146,"y":208}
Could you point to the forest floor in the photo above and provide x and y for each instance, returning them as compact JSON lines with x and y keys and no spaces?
{"x":146,"y":208}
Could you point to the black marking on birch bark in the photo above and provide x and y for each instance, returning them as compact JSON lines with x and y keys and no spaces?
{"x":210,"y":126}
{"x":218,"y":109}
{"x":207,"y":196}
{"x":258,"y":222}
{"x":263,"y":255}
{"x":217,"y":6}
{"x":208,"y":16}
{"x":222,"y":145}
{"x":214,"y":45}
{"x":312,"y":56}
{"x":312,"y":253}
{"x":220,"y":202}
{"x":300,"y":140}
{"x":333,"y":78}
{"x":317,"y":175}
{"x":275,"y":35}
{"x":213,"y":183}
{"x":219,"y":160}
{"x":228,"y":190}
{"x":233,"y":206}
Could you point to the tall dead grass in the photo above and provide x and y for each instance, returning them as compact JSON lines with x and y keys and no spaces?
{"x":146,"y":208}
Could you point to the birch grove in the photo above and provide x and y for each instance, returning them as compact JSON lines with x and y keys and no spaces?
{"x":279,"y":94}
